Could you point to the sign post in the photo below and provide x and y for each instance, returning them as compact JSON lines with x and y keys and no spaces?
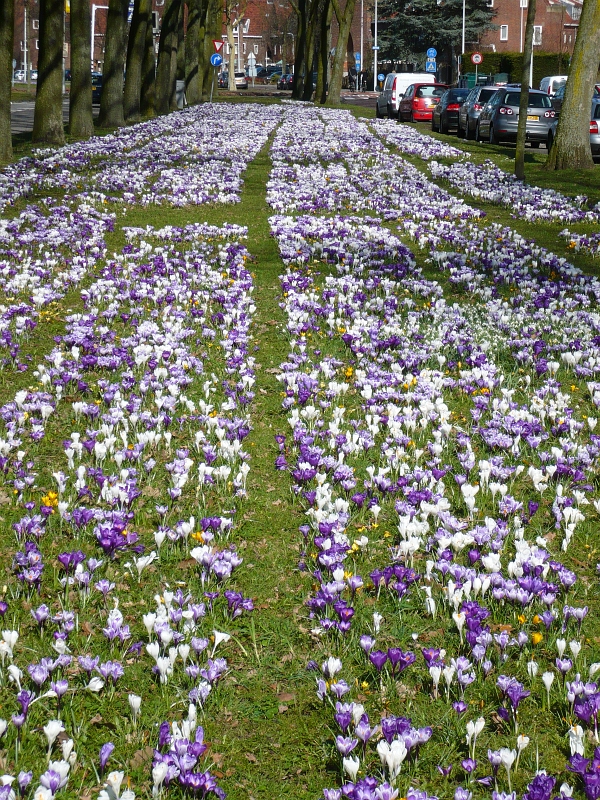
{"x":357,"y":66}
{"x":477,"y":59}
{"x":252,"y":66}
{"x":216,"y":60}
{"x":431,"y":63}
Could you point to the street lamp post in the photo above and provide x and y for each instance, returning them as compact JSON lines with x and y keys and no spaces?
{"x":293,"y":58}
{"x":464,"y":17}
{"x":375,"y":51}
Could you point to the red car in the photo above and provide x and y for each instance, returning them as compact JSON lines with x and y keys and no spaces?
{"x":419,"y":101}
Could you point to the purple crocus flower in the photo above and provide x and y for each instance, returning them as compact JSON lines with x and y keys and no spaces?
{"x":105,"y":753}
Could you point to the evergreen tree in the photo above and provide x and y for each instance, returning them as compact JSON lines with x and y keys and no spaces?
{"x":408,"y":27}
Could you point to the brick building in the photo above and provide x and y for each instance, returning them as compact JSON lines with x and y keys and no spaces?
{"x":556,"y":23}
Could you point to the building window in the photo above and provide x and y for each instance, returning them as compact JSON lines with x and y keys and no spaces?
{"x":576,"y":13}
{"x":155,"y":21}
{"x":244,"y":46}
{"x":37,"y":44}
{"x":35,"y":24}
{"x":256,"y":49}
{"x":537,"y":34}
{"x":504,"y":33}
{"x":523,"y":3}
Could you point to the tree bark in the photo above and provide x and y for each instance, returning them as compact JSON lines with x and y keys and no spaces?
{"x":324,"y":46}
{"x":111,"y":103}
{"x":142,"y":17}
{"x":192,"y":84}
{"x":166,"y":48}
{"x":177,"y":59}
{"x":211,"y":22}
{"x":524,"y":99}
{"x":571,"y":148}
{"x":337,"y":68}
{"x":147,"y":94}
{"x":7,"y":24}
{"x":48,"y":119}
{"x":81,"y":120}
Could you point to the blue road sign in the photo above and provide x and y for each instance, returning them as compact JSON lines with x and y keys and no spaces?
{"x":432,"y":52}
{"x":381,"y":77}
{"x":216,"y":59}
{"x":430,"y":66}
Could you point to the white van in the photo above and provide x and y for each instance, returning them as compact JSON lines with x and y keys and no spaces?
{"x":551,"y":84}
{"x":396,"y":84}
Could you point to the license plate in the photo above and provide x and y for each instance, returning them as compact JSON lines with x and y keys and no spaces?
{"x":532,"y":117}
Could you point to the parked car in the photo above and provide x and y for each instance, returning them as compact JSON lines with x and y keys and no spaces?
{"x":445,"y":113}
{"x":33,"y":74}
{"x":471,"y":109}
{"x":394,"y":86}
{"x":594,"y":128}
{"x":19,"y":75}
{"x":286,"y":81}
{"x":499,"y":118}
{"x":96,"y":87}
{"x":551,"y":83}
{"x":559,"y":98}
{"x":67,"y":75}
{"x":223,"y":80}
{"x":419,"y":100}
{"x":241,"y":80}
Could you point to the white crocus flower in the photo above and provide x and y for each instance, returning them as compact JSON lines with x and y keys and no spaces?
{"x":351,"y":766}
{"x":220,"y":636}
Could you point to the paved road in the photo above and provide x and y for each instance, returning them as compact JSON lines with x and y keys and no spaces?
{"x":21,"y":115}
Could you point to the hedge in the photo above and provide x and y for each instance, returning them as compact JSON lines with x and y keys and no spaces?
{"x":543,"y":64}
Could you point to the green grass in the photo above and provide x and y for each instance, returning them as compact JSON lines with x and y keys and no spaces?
{"x":267,"y":731}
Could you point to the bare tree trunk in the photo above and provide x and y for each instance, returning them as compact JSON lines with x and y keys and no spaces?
{"x":231,"y":42}
{"x":177,"y":59}
{"x":300,"y":54}
{"x":324,"y":45}
{"x":147,"y":105}
{"x":7,"y":24}
{"x":571,"y":149}
{"x":309,"y":56}
{"x":524,"y":99}
{"x":167,"y":46}
{"x":81,"y":120}
{"x":337,"y":68}
{"x":191,"y":53}
{"x":142,"y":17}
{"x":111,"y":103}
{"x":48,"y":119}
{"x":211,"y":23}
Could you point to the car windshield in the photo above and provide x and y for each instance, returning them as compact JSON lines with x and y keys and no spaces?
{"x":458,"y":94}
{"x":535,"y":100}
{"x":431,"y":91}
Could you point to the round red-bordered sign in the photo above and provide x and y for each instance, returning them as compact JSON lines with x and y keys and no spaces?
{"x":476,"y":58}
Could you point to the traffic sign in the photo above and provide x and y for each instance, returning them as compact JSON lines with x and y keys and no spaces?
{"x":218,"y":45}
{"x":216,"y":59}
{"x":476,"y":58}
{"x":430,"y":66}
{"x":432,"y":52}
{"x":431,"y":59}
{"x":381,"y":77}
{"x":357,"y":56}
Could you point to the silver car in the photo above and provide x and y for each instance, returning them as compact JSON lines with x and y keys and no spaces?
{"x":594,"y":128}
{"x":471,"y":109}
{"x":499,"y":119}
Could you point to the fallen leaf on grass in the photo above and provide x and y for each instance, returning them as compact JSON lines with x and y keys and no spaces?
{"x":141,"y":757}
{"x":282,"y":709}
{"x":251,"y":757}
{"x":286,"y":697}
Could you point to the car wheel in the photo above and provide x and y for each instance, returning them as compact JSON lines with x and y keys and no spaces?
{"x":535,"y":144}
{"x":469,"y":133}
{"x":378,"y":114}
{"x":443,"y":125}
{"x":477,"y":135}
{"x":493,"y":139}
{"x":433,"y":128}
{"x":550,"y":141}
{"x":411,"y":118}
